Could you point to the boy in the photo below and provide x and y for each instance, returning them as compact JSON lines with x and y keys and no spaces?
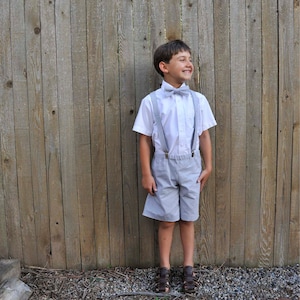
{"x":175,"y":121}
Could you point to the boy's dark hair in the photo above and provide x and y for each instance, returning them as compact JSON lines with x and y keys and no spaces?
{"x":166,"y":51}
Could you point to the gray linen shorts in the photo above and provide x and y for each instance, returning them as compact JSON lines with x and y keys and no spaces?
{"x":178,"y":192}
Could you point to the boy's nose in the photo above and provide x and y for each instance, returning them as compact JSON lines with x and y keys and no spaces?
{"x":189,"y":63}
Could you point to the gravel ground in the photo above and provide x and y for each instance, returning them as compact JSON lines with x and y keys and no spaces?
{"x":129,"y":283}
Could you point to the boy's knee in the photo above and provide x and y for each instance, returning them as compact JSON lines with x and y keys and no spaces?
{"x":166,"y":225}
{"x":186,"y":223}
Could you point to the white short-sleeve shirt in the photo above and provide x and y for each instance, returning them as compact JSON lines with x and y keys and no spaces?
{"x":177,"y":117}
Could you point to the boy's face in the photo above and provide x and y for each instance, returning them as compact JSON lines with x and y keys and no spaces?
{"x":179,"y":69}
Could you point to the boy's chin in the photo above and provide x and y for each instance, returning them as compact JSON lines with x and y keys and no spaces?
{"x":186,"y":79}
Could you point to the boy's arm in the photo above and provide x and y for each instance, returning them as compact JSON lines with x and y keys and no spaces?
{"x":148,"y":181}
{"x":206,"y":151}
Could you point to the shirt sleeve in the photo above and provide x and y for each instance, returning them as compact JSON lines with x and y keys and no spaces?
{"x":207,"y":119}
{"x":143,"y":123}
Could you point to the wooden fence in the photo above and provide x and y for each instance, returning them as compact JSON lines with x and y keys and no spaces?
{"x":73,"y":73}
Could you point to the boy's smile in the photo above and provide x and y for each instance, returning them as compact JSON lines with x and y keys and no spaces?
{"x":179,"y":69}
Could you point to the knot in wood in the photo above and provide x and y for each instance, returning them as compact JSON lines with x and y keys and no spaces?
{"x":37,"y":30}
{"x":9,"y":84}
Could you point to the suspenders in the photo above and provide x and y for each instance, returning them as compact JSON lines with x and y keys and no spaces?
{"x":161,"y":133}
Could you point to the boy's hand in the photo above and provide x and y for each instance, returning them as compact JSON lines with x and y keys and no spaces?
{"x":148,"y":184}
{"x":205,"y":147}
{"x":203,"y":178}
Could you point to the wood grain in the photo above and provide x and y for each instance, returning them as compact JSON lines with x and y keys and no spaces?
{"x":97,"y":130}
{"x":238,"y":131}
{"x":67,"y":133}
{"x":253,"y":131}
{"x":269,"y":134}
{"x":52,"y":142}
{"x":285,"y":133}
{"x":223,"y":130}
{"x":24,"y":204}
{"x":205,"y":228}
{"x":294,"y":239}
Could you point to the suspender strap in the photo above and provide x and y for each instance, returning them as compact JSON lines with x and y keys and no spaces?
{"x":161,"y":132}
{"x":196,"y":121}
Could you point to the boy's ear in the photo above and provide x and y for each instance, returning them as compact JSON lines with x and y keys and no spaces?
{"x":163,"y":67}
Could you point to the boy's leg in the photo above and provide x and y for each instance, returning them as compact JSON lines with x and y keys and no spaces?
{"x":187,"y":234}
{"x":165,"y":236}
{"x":187,"y":239}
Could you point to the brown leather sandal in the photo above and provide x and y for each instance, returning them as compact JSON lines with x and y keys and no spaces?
{"x":189,"y":284}
{"x":163,"y":280}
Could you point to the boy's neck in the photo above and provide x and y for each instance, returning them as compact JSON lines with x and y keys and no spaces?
{"x":176,"y":85}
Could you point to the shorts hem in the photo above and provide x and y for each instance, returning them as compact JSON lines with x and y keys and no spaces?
{"x":162,"y":219}
{"x":159,"y":218}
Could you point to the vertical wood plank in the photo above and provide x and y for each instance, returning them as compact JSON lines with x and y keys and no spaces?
{"x":253,"y":119}
{"x":7,"y":150}
{"x":112,"y":131}
{"x":36,"y":127}
{"x":269,"y":134}
{"x":173,"y":25}
{"x":294,"y":240}
{"x":97,"y":120}
{"x":67,"y":139}
{"x":238,"y":131}
{"x":82,"y":133}
{"x":157,"y":33}
{"x":223,"y":130}
{"x":52,"y":144}
{"x":190,"y":35}
{"x":205,"y":228}
{"x":143,"y":85}
{"x":285,"y":130}
{"x":157,"y":23}
{"x":128,"y":138}
{"x":8,"y":142}
{"x":22,"y":134}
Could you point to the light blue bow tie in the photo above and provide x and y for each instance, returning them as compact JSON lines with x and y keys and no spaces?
{"x":183,"y":90}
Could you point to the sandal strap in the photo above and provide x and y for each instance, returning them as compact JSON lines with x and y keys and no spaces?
{"x":163,"y":285}
{"x":188,"y":279}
